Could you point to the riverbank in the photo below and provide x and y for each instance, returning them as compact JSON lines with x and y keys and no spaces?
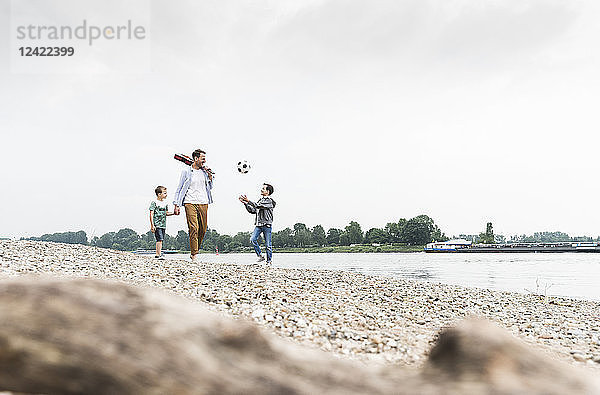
{"x":358,"y":316}
{"x":359,"y":248}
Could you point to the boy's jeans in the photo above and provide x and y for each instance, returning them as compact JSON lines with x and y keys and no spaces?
{"x":266,"y":231}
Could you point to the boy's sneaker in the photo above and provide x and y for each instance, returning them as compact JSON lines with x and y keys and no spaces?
{"x":260,"y":259}
{"x":161,"y":258}
{"x":157,"y":257}
{"x":269,"y":262}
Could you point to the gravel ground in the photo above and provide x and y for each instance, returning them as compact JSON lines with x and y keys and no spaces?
{"x":369,"y":318}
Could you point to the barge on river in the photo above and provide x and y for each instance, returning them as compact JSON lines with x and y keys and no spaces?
{"x":465,"y":246}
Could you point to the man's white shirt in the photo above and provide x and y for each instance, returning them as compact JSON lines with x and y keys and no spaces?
{"x":196,"y":193}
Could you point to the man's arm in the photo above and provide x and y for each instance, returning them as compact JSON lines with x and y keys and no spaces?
{"x":209,"y":174}
{"x":177,"y":200}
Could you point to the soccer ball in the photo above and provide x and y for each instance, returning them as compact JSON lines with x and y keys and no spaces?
{"x":243,"y":167}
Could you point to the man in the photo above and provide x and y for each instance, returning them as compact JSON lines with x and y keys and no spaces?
{"x":194,"y":193}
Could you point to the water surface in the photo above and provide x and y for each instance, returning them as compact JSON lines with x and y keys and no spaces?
{"x":559,"y":274}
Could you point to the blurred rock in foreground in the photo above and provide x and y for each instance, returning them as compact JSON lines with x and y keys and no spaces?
{"x":91,"y":336}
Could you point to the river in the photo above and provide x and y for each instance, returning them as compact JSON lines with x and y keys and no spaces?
{"x":575,"y":275}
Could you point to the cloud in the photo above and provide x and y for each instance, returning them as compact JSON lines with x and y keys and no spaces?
{"x":320,"y":95}
{"x":396,"y":36}
{"x":491,"y":33}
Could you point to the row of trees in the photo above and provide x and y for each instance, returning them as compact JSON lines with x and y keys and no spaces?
{"x":416,"y":231}
{"x":419,"y":230}
{"x":64,"y":237}
{"x":550,"y":237}
{"x":537,"y":237}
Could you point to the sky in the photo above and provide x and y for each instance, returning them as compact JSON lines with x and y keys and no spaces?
{"x":469,"y":111}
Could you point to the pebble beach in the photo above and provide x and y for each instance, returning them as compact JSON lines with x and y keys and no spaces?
{"x":368,"y":318}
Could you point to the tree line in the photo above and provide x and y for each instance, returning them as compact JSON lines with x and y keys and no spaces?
{"x":419,"y":230}
{"x":537,"y":237}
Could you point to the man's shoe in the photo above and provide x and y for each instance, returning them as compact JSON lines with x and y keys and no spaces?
{"x":269,"y":262}
{"x":195,"y":258}
{"x":260,"y":259}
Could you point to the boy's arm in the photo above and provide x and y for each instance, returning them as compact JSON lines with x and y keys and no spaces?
{"x":152,"y":220}
{"x":250,"y":207}
{"x":264,"y":203}
{"x":152,"y":208}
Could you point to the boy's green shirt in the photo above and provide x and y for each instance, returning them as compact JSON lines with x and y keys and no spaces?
{"x":160,"y":213}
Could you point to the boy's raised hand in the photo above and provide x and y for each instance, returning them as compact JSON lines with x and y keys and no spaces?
{"x":243,"y":199}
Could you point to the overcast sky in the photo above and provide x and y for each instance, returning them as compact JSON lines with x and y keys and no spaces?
{"x":468,"y":111}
